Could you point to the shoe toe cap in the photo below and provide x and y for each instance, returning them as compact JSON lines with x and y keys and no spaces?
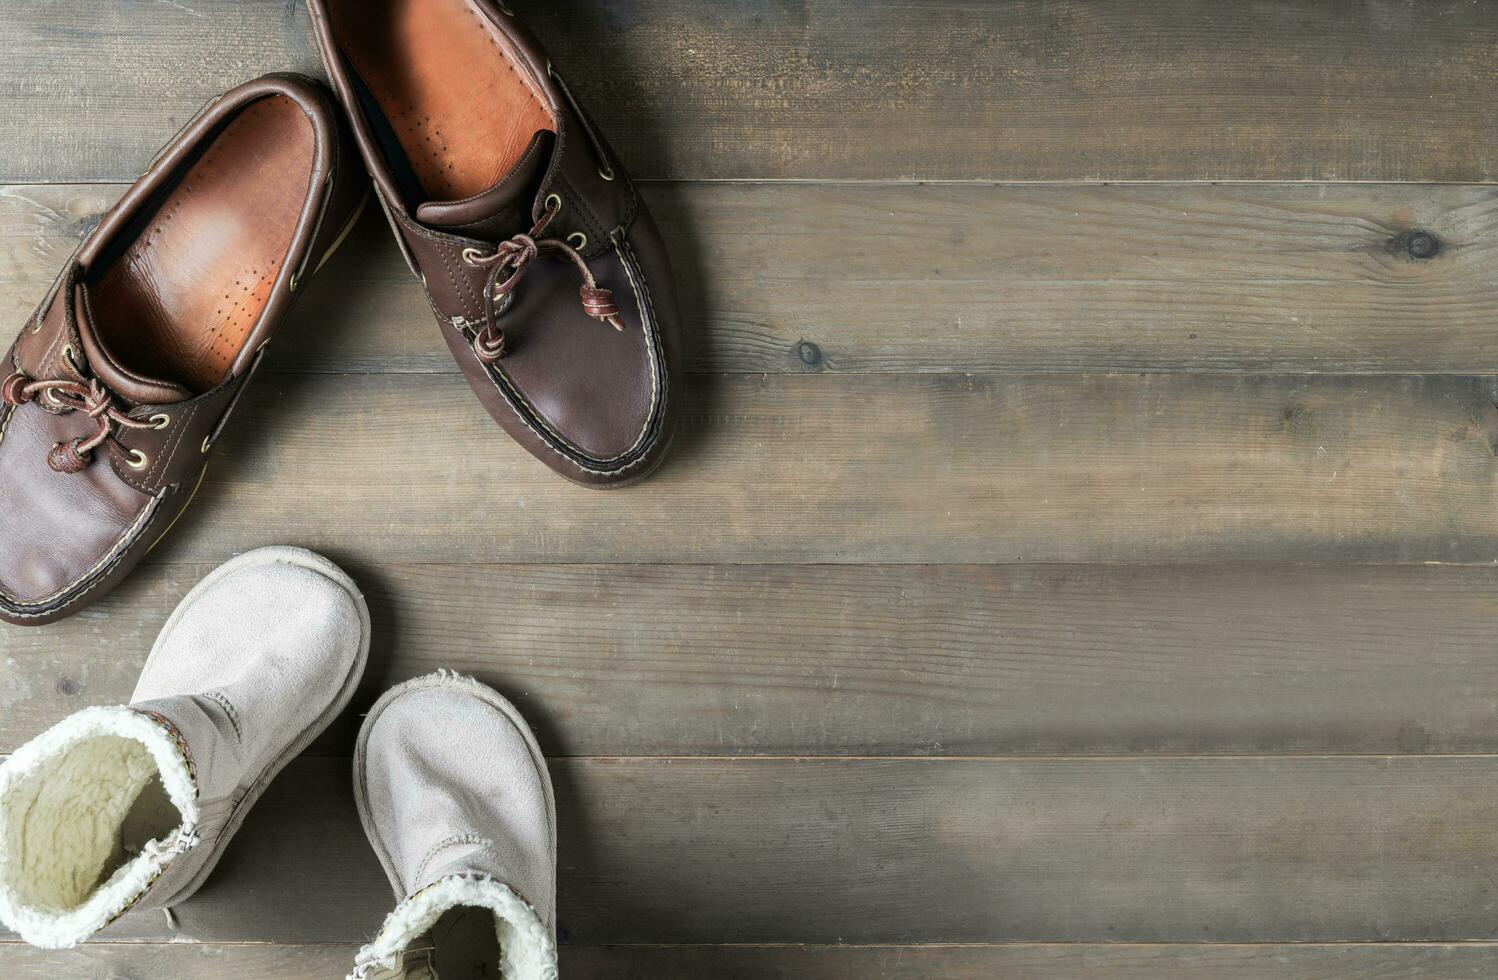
{"x":445,"y":763}
{"x":281,"y":631}
{"x":59,"y":531}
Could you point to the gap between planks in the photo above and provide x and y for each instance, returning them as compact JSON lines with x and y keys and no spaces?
{"x":1284,"y":280}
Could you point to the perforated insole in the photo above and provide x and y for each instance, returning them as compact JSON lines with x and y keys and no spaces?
{"x":179,"y":303}
{"x":462,"y":111}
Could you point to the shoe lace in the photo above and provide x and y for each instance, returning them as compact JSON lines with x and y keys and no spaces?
{"x":507,"y":266}
{"x":89,"y":397}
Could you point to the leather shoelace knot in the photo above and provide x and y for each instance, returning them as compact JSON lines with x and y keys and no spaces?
{"x":91,"y":398}
{"x":507,"y":266}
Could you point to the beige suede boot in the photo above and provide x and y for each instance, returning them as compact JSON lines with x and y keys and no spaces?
{"x":129,"y":807}
{"x":456,"y":799}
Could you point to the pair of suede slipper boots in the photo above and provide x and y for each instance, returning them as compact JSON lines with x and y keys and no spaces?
{"x":548,"y":279}
{"x":127,"y":807}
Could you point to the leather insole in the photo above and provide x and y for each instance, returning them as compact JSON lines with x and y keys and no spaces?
{"x":179,"y":302}
{"x":462,"y":111}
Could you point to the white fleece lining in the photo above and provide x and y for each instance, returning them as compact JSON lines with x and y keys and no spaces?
{"x":527,"y":951}
{"x":63,"y":796}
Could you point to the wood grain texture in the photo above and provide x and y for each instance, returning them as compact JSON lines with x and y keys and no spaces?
{"x":1283,"y":278}
{"x":149,"y":961}
{"x":911,"y":469}
{"x":1019,"y":961}
{"x":898,"y":851}
{"x":1068,"y":961}
{"x":1036,"y":90}
{"x":823,"y":716}
{"x":884,"y":660}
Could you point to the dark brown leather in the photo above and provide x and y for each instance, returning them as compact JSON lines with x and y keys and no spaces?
{"x":470,"y":136}
{"x":128,"y":371}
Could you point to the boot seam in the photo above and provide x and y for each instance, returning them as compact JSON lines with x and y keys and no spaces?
{"x":452,"y":841}
{"x":218,"y":698}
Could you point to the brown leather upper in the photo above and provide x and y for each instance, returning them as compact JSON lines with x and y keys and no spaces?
{"x":531,"y":241}
{"x":118,"y":385}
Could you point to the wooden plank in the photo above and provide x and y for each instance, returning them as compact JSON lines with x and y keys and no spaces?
{"x":1117,"y":961}
{"x":121,"y":961}
{"x":670,"y":851}
{"x":1067,"y":961}
{"x":910,"y":469}
{"x":891,"y":660}
{"x":862,"y":278}
{"x":1036,"y":90}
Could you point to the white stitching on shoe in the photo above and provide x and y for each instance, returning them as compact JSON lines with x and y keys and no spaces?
{"x":116,"y":551}
{"x":658,"y":393}
{"x":218,"y":698}
{"x":444,"y":844}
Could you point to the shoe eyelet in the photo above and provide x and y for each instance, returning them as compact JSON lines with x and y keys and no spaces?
{"x":138,"y":460}
{"x":607,"y":172}
{"x":159,"y":422}
{"x":70,"y":356}
{"x":207,"y":444}
{"x":471,"y":256}
{"x":578,"y":240}
{"x":553,"y":197}
{"x":52,"y":399}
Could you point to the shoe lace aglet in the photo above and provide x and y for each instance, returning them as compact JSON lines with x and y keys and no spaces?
{"x":68,"y":457}
{"x":599,"y":303}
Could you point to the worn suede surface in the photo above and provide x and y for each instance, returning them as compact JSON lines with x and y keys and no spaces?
{"x":255,"y":657}
{"x":255,"y":662}
{"x":453,"y":785}
{"x":455,"y":796}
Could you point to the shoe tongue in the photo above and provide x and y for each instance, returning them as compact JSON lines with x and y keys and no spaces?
{"x":128,"y":386}
{"x":502,"y":210}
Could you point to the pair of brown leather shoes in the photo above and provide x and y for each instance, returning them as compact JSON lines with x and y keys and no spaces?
{"x":547,"y":276}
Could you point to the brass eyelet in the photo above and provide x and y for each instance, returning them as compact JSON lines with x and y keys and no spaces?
{"x":52,"y":398}
{"x":160,"y":421}
{"x":207,"y":444}
{"x":607,"y":173}
{"x":138,"y":460}
{"x":471,"y":256}
{"x":553,"y":197}
{"x":70,"y":356}
{"x":578,"y":240}
{"x":36,"y":326}
{"x":296,"y":280}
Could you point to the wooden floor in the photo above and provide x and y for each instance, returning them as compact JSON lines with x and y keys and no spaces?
{"x":1080,"y":556}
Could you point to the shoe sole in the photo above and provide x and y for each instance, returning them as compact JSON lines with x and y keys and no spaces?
{"x":473,"y":688}
{"x":302,"y":558}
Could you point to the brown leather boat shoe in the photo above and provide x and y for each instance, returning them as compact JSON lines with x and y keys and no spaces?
{"x":547,"y":275}
{"x":126,"y":374}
